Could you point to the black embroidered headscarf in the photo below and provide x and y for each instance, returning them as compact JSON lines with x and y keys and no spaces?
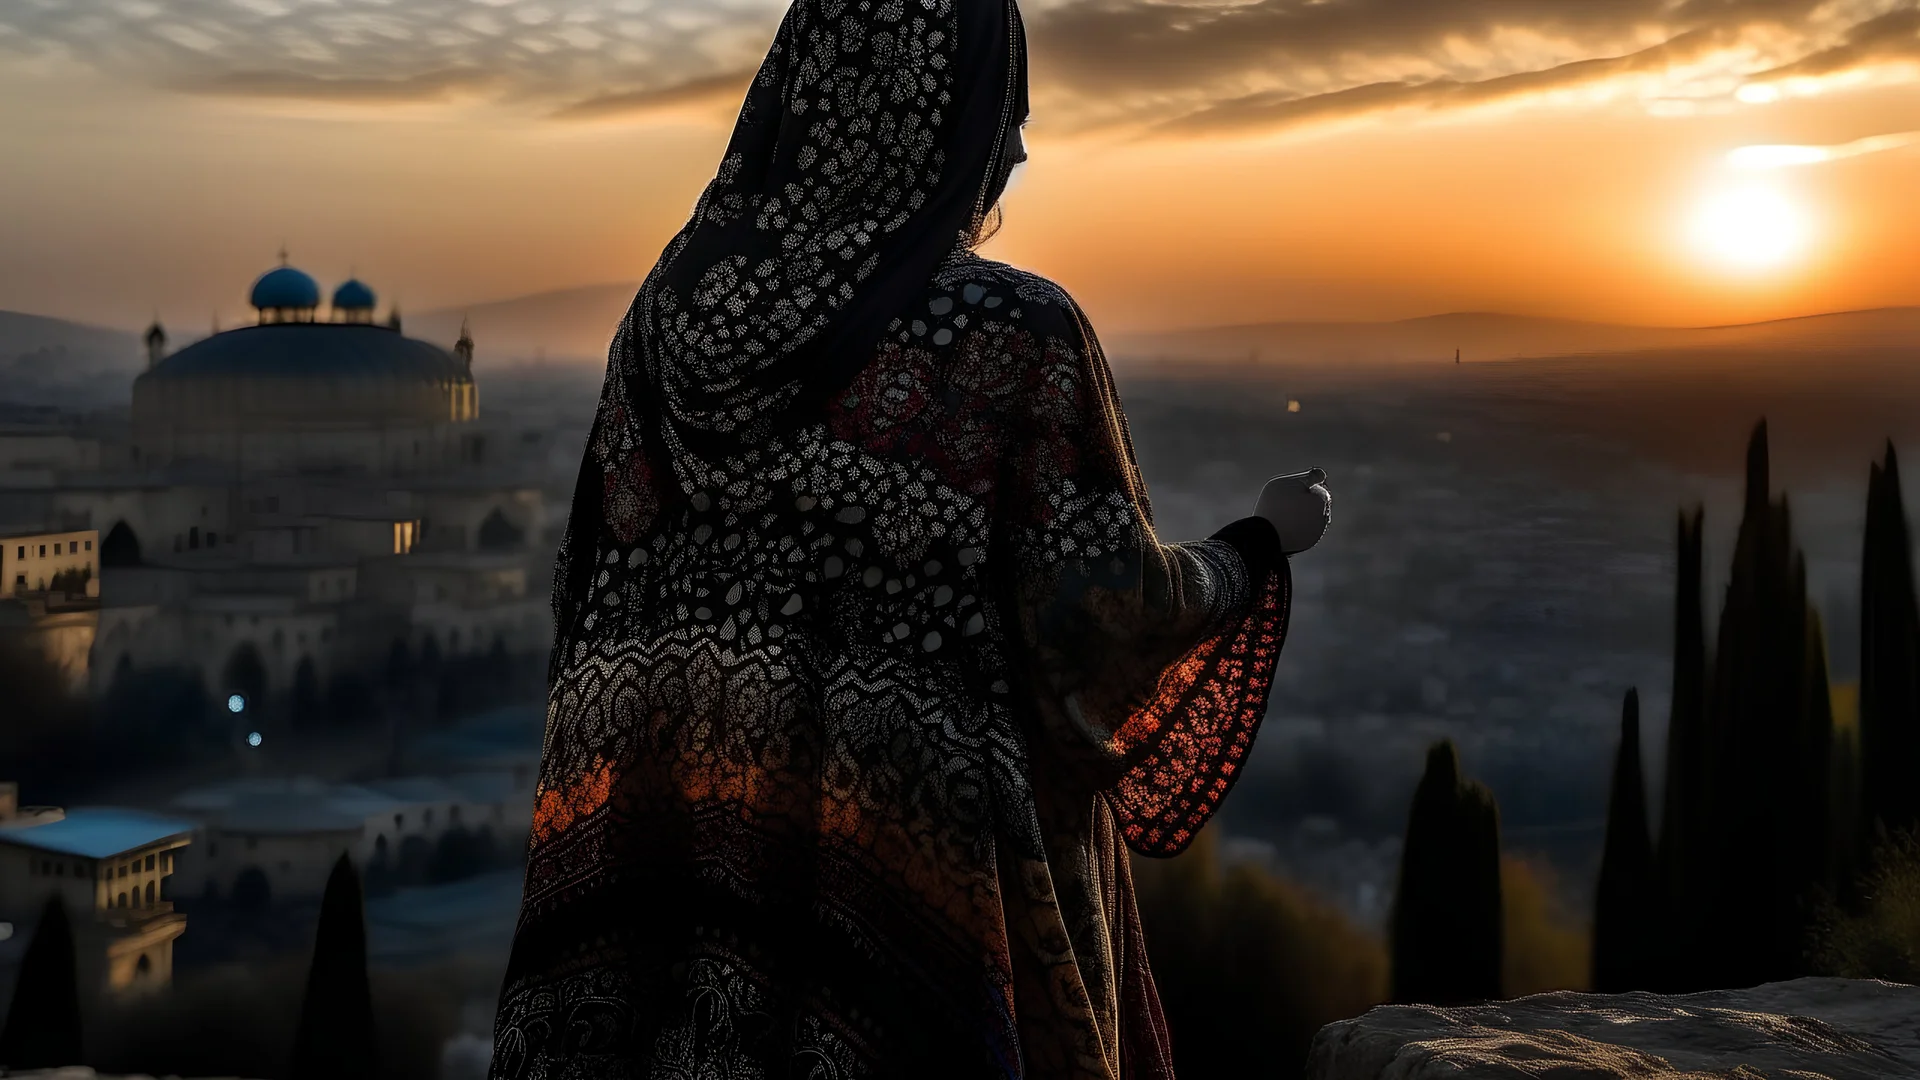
{"x":873,"y":142}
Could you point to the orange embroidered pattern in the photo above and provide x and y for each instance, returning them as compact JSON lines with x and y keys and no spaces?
{"x":557,"y":808}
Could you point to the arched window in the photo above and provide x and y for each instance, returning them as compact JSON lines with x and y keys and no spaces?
{"x":142,"y":967}
{"x":150,"y":894}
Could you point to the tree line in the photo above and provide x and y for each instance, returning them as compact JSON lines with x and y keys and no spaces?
{"x":1786,"y":839}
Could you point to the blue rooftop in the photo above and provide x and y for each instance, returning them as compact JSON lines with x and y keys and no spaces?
{"x":98,"y":832}
{"x":285,"y":287}
{"x":353,"y":293}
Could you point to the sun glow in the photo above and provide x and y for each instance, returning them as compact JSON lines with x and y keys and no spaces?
{"x":1750,"y":228}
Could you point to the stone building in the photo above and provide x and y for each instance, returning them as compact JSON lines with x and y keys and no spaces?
{"x":289,"y":504}
{"x":272,"y":840}
{"x":111,"y":867}
{"x":36,"y":562}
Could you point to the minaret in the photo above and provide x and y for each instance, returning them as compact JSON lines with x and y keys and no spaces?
{"x":464,"y":347}
{"x":393,"y":319}
{"x":156,"y":340}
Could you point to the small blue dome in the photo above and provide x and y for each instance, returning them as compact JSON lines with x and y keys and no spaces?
{"x":353,"y":293}
{"x":284,"y":287}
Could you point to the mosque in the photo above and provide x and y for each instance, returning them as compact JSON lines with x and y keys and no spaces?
{"x":298,"y":393}
{"x":292,"y":503}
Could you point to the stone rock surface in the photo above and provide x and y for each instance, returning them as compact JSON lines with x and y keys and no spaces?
{"x":1807,"y":1029}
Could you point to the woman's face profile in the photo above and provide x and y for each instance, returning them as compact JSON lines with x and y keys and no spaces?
{"x":1017,"y":152}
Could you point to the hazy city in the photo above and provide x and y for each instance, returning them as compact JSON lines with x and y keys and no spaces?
{"x":320,"y":321}
{"x":1500,"y":571}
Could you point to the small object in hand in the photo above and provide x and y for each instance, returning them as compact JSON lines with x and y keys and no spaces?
{"x":1299,"y":506}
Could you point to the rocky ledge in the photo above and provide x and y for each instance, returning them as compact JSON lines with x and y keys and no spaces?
{"x":1807,"y":1029}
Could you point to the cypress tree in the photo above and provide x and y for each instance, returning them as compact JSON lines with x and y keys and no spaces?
{"x":1447,"y":931}
{"x":1625,"y":949}
{"x":1889,"y":661}
{"x":1769,"y":739}
{"x":335,"y":1037}
{"x":43,"y":1023}
{"x":1685,"y":843}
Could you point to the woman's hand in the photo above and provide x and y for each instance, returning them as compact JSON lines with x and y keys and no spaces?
{"x":1299,"y":507}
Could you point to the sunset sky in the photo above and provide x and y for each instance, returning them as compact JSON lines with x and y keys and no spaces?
{"x":1194,"y":162}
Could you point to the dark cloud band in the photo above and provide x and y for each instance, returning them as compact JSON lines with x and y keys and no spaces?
{"x":1166,"y":66}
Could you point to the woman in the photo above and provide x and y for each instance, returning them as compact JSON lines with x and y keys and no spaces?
{"x":869,"y":666}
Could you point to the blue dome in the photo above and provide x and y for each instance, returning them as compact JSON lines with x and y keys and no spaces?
{"x":284,"y":287}
{"x":313,"y":350}
{"x":353,"y":293}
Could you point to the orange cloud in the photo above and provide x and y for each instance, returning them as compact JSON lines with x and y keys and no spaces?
{"x":710,"y":92}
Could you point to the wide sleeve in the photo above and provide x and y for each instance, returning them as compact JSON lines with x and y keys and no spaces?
{"x":1150,"y":663}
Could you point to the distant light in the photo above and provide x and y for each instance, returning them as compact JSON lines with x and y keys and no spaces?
{"x":1293,"y":406}
{"x":236,"y":703}
{"x":253,"y":738}
{"x":1749,"y":228}
{"x":1758,"y":93}
{"x":1445,"y":436}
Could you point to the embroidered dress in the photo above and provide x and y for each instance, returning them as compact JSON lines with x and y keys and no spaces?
{"x":870,"y":668}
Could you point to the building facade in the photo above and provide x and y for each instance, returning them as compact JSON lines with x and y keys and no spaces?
{"x":111,"y":869}
{"x":38,"y":562}
{"x":290,"y":504}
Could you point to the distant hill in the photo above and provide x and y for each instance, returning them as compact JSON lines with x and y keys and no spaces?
{"x":575,"y":325}
{"x":1486,"y":336}
{"x":43,"y":359}
{"x":567,"y":325}
{"x":52,"y":361}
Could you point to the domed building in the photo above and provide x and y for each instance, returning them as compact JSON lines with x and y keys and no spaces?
{"x":353,"y":302}
{"x":295,"y":393}
{"x":300,"y":506}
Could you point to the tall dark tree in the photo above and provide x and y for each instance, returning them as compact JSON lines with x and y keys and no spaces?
{"x":1447,"y":929}
{"x":43,"y":1023}
{"x":1889,"y":660}
{"x":335,"y":1037}
{"x":1769,"y":738}
{"x":1685,"y":842}
{"x":1626,"y":915}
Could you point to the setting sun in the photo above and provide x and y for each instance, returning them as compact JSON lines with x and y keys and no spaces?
{"x":1749,"y":228}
